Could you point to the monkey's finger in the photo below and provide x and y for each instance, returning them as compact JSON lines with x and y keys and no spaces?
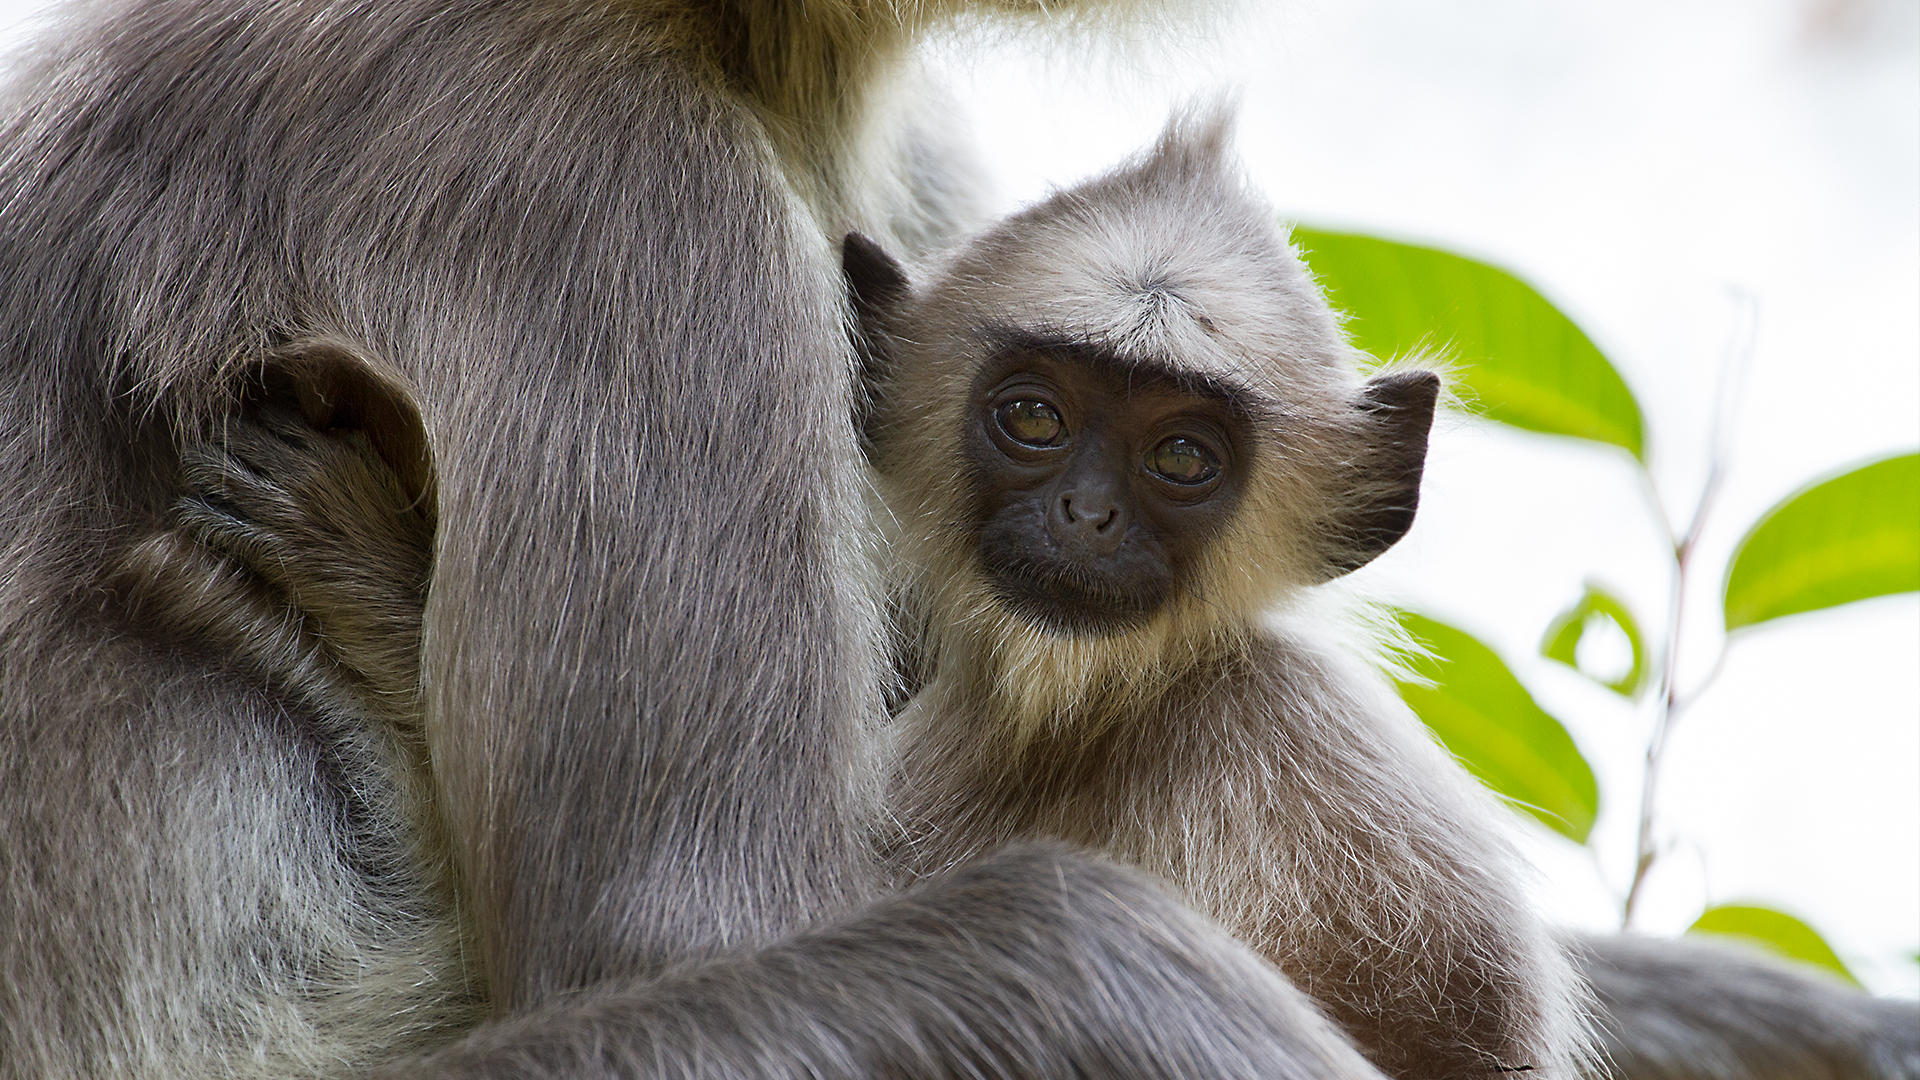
{"x":272,"y":441}
{"x":261,"y":549}
{"x":282,"y":444}
{"x":214,"y":473}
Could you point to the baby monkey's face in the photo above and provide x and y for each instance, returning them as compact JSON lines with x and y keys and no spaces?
{"x":1097,"y":483}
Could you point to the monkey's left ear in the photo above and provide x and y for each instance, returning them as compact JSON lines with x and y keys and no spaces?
{"x":876,"y":280}
{"x":1385,"y":484}
{"x":878,"y":288}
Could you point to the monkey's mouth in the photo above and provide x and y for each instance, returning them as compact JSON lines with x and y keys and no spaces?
{"x":1069,"y":603}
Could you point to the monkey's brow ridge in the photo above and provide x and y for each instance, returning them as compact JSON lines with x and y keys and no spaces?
{"x":1005,"y":339}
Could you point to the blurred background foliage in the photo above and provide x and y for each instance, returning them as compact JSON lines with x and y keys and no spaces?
{"x":1517,"y":359}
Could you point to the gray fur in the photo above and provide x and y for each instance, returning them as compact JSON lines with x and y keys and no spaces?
{"x":1703,"y":1010}
{"x":1273,"y":782}
{"x":580,"y":249}
{"x":1034,"y":963}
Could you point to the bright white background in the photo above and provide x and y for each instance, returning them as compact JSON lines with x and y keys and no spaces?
{"x":1639,"y":161}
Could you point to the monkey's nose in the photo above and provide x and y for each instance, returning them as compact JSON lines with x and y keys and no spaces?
{"x":1087,"y":523}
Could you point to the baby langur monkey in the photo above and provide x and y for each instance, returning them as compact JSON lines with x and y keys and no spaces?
{"x":1118,"y":436}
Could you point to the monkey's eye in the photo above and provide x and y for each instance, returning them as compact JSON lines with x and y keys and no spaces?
{"x":1031,"y":423}
{"x":1183,"y":461}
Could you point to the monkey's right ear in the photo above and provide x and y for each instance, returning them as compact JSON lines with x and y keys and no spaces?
{"x":879,"y":289}
{"x":1399,"y":412}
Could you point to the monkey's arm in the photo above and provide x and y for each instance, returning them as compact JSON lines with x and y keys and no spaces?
{"x":1694,"y":1010}
{"x":1354,"y":852}
{"x":1034,"y":963}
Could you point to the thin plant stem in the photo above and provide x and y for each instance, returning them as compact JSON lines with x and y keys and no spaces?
{"x":1645,"y":852}
{"x":1669,"y":704}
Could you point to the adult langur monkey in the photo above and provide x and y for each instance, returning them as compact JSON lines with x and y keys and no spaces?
{"x":566,"y":268}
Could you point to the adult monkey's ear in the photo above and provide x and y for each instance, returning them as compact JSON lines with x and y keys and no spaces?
{"x":879,"y":289}
{"x":1383,"y":488}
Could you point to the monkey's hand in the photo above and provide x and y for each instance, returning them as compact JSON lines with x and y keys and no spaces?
{"x":325,"y":523}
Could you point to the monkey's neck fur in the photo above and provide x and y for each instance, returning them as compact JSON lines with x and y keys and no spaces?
{"x":824,"y":75}
{"x":1027,"y":682}
{"x":814,"y":73}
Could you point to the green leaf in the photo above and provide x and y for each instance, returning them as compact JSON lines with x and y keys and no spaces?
{"x":1564,"y":634}
{"x":1523,"y":361}
{"x":1773,"y":930}
{"x":1848,"y":538}
{"x":1482,"y":714}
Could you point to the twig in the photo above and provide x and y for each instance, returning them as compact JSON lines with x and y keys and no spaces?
{"x":1669,"y":704}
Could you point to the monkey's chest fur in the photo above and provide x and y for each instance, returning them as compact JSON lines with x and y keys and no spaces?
{"x":1271,"y":788}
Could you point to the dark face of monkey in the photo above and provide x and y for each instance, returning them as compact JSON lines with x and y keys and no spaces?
{"x":1096,"y":483}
